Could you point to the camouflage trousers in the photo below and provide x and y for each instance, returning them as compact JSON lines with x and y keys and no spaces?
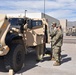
{"x":57,"y":53}
{"x":52,"y":50}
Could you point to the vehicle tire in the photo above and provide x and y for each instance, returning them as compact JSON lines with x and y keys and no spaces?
{"x":15,"y":58}
{"x":40,"y":52}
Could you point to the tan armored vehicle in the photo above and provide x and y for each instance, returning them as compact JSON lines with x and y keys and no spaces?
{"x":17,"y":35}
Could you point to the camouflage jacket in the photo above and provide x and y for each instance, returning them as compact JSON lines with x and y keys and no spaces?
{"x":58,"y":39}
{"x":53,"y":33}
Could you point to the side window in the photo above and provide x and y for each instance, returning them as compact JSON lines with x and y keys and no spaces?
{"x":39,"y":23}
{"x":16,"y":21}
{"x":36,"y":23}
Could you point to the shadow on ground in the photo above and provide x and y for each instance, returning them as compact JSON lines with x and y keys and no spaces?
{"x":2,"y":67}
{"x":66,"y":60}
{"x":30,"y":62}
{"x":63,"y":56}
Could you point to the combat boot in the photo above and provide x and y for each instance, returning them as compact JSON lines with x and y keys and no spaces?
{"x":53,"y":59}
{"x":56,"y":63}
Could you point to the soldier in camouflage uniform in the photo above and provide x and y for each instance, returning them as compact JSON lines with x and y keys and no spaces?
{"x":57,"y":43}
{"x":53,"y":34}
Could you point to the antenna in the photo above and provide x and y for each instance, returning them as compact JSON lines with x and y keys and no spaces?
{"x":25,"y":12}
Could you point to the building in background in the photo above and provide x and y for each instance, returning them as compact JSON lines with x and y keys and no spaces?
{"x":71,"y":24}
{"x":63,"y":23}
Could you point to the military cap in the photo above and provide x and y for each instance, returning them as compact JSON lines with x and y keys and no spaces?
{"x":54,"y":23}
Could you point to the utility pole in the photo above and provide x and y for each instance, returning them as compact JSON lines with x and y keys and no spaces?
{"x":44,"y":8}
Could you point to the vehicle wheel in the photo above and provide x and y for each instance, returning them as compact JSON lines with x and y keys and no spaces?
{"x":40,"y":52}
{"x":15,"y":58}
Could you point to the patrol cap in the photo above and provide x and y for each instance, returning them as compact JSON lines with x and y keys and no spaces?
{"x":54,"y":23}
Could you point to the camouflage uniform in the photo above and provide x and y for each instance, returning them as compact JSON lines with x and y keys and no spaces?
{"x":57,"y":43}
{"x":53,"y":34}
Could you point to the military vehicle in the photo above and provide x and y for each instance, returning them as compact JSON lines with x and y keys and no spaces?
{"x":71,"y":31}
{"x":17,"y":35}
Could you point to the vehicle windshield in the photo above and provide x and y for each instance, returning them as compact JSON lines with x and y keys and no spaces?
{"x":16,"y":21}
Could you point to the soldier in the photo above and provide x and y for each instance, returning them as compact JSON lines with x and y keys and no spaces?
{"x":57,"y":46}
{"x":53,"y":34}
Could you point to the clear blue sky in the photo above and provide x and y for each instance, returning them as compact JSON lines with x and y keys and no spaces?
{"x":60,"y":9}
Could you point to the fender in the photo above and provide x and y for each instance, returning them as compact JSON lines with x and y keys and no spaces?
{"x":11,"y":37}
